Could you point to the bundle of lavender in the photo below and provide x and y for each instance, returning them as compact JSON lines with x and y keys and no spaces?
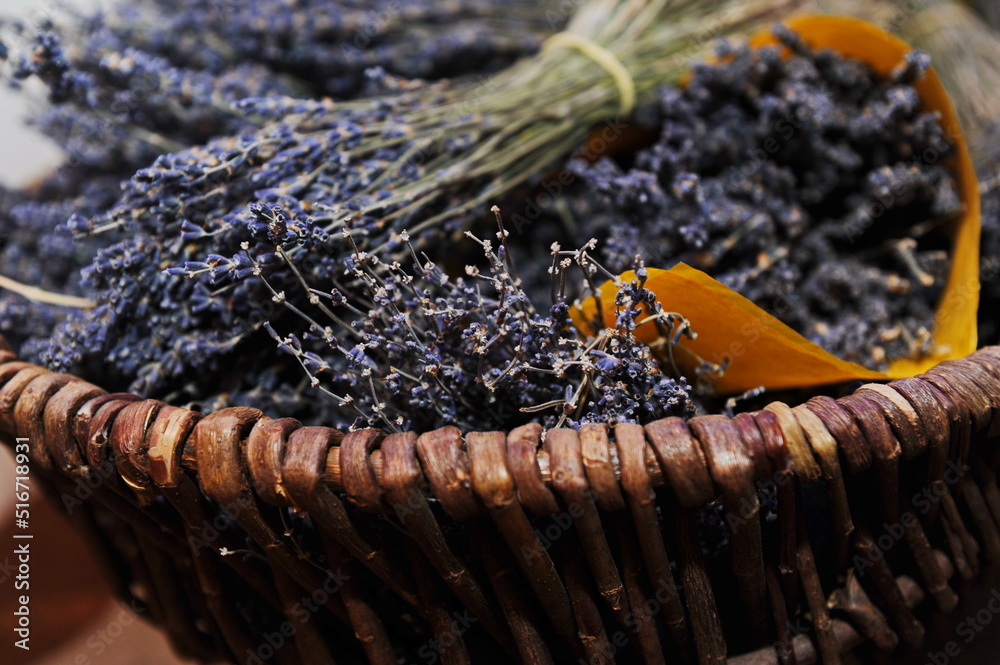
{"x":153,"y":77}
{"x":426,"y":158}
{"x":156,"y":77}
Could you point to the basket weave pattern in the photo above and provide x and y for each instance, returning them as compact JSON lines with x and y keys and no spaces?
{"x":530,"y":546}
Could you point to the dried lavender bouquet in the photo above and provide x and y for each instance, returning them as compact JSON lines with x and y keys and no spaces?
{"x":152,"y":77}
{"x":427,"y":158}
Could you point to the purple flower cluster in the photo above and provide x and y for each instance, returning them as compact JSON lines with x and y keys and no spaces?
{"x":159,"y":76}
{"x":400,"y":344}
{"x":188,"y":212}
{"x":807,"y":184}
{"x":151,"y":87}
{"x":115,"y":106}
{"x":37,"y":250}
{"x":328,"y":44}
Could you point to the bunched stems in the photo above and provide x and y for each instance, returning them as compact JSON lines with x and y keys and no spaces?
{"x":543,"y":107}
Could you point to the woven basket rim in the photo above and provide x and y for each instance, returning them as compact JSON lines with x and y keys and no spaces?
{"x":238,"y":453}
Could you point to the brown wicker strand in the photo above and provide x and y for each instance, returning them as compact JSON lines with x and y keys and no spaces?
{"x":401,"y":484}
{"x":825,"y":447}
{"x":512,"y":595}
{"x":11,"y":392}
{"x":869,"y":620}
{"x":229,"y":625}
{"x":639,"y":494}
{"x":363,"y":615}
{"x":935,"y":420}
{"x":524,"y":452}
{"x":956,"y":524}
{"x":959,"y":416}
{"x":302,"y":633}
{"x":129,"y":445}
{"x":111,"y":490}
{"x":782,"y":647}
{"x":989,"y":536}
{"x":990,"y":363}
{"x":359,"y":476}
{"x":987,"y":480}
{"x":218,"y":440}
{"x":305,"y":458}
{"x":590,"y":627}
{"x":449,"y":639}
{"x":682,"y":461}
{"x":60,"y":423}
{"x":28,"y":419}
{"x":756,"y":447}
{"x":492,"y":482}
{"x":165,"y":443}
{"x":900,"y":414}
{"x":803,"y":462}
{"x":447,"y":471}
{"x":828,"y":649}
{"x":958,"y":379}
{"x":128,"y":440}
{"x":709,"y":642}
{"x":265,"y":453}
{"x":885,"y":450}
{"x":928,"y":563}
{"x":788,"y":510}
{"x":566,"y":463}
{"x":910,"y":630}
{"x":600,"y":458}
{"x":847,"y":636}
{"x":845,"y":431}
{"x":446,"y":468}
{"x":732,"y":473}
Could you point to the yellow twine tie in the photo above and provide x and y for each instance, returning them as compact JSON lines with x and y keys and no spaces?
{"x":604,"y":58}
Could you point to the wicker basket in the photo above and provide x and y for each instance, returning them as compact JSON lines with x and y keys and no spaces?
{"x":251,"y":539}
